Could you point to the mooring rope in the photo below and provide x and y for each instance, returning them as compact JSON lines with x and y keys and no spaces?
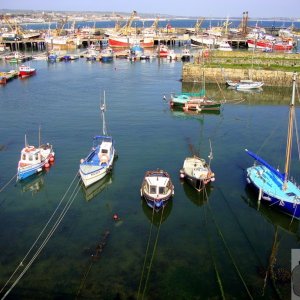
{"x":229,"y":252}
{"x":211,"y":251}
{"x":146,"y":254}
{"x":8,"y":183}
{"x":153,"y":252}
{"x":54,"y":227}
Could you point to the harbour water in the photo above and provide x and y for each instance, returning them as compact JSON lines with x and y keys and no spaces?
{"x":202,"y":246}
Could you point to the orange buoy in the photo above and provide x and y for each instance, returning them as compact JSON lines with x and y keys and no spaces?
{"x":47,"y":165}
{"x":51,"y":159}
{"x":115,"y":217}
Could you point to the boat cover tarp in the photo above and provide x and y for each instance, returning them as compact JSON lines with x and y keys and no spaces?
{"x":272,"y":169}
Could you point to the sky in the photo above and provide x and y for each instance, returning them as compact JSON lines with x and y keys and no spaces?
{"x":187,"y":8}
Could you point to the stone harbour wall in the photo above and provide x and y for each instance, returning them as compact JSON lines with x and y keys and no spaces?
{"x":196,"y":73}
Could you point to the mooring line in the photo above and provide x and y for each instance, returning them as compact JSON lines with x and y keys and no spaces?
{"x":211,"y":251}
{"x":229,"y":252}
{"x":154,"y":248}
{"x":54,"y":227}
{"x":146,"y":254}
{"x":2,"y":189}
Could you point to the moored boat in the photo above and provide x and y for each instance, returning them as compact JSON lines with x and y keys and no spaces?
{"x":107,"y":55}
{"x":194,"y":103}
{"x":157,"y":189}
{"x":245,"y":84}
{"x":99,"y":161}
{"x":26,"y":71}
{"x":274,"y":45}
{"x":274,"y":187}
{"x":34,"y":159}
{"x":196,"y":171}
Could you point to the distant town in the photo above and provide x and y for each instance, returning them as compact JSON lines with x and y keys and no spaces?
{"x":27,"y":17}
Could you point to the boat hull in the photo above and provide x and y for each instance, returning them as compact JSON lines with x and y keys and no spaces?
{"x":27,"y":172}
{"x":260,"y":44}
{"x":278,"y":199}
{"x":126,"y":42}
{"x":92,"y":172}
{"x":156,"y":204}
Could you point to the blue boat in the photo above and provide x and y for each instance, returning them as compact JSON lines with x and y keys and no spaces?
{"x":34,"y":159}
{"x":99,"y":161}
{"x":107,"y":55}
{"x":273,"y":186}
{"x":52,"y":57}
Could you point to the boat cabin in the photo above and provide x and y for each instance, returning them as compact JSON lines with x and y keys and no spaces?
{"x":30,"y":155}
{"x":157,"y":185}
{"x":105,"y":152}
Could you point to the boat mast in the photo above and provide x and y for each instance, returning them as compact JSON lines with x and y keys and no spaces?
{"x":103,"y":108}
{"x":289,"y":135}
{"x":39,"y":135}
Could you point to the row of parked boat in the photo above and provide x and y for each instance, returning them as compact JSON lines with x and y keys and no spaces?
{"x":273,"y":186}
{"x":22,"y":72}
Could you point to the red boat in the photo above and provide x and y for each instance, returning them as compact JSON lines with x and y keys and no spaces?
{"x":162,"y":51}
{"x":266,"y":44}
{"x":127,"y":41}
{"x":26,"y":71}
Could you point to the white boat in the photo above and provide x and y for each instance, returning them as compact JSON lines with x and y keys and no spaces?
{"x":157,"y":188}
{"x":245,"y":84}
{"x":224,"y":46}
{"x":172,"y":55}
{"x":99,"y":161}
{"x":185,"y":54}
{"x":34,"y":159}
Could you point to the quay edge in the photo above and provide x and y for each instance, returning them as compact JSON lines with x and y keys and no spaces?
{"x":220,"y":67}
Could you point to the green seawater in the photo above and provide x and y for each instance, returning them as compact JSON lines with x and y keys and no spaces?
{"x":201,"y":246}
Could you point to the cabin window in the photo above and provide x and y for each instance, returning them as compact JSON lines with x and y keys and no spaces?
{"x":161,"y":190}
{"x":24,"y":156}
{"x":152,"y":189}
{"x":30,"y":157}
{"x":291,"y":194}
{"x":104,"y":151}
{"x":36,"y":156}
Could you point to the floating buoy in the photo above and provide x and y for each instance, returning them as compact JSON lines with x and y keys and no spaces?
{"x":82,"y":160}
{"x":115,"y":217}
{"x":51,"y":159}
{"x":47,"y":165}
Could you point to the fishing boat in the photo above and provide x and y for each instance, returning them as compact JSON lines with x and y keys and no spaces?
{"x":99,"y":161}
{"x":107,"y":55}
{"x":157,"y":188}
{"x":26,"y":71}
{"x":274,"y":45}
{"x":274,"y":187}
{"x":162,"y":51}
{"x":34,"y":159}
{"x":197,"y":172}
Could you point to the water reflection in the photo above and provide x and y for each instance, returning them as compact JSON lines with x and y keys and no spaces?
{"x":93,"y":190}
{"x":273,"y":216}
{"x":274,"y":273}
{"x":32,"y":184}
{"x":157,"y":218}
{"x":270,"y":95}
{"x":197,"y":198}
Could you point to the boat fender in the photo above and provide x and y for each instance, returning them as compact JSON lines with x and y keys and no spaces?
{"x":81,"y":161}
{"x":248,"y":180}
